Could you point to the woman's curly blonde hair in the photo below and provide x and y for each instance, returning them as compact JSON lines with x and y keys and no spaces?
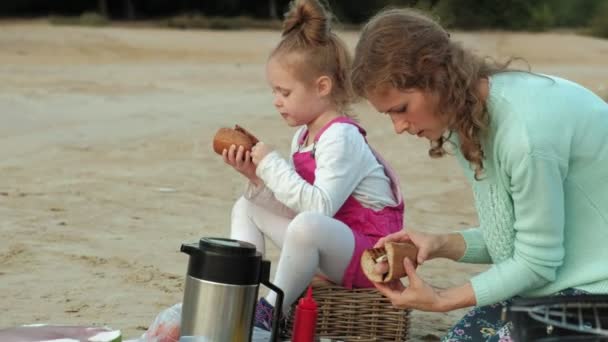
{"x":406,"y":49}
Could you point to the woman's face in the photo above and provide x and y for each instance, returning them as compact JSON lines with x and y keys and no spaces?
{"x":413,"y":111}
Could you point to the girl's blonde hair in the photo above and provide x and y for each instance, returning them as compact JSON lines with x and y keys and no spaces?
{"x":405,"y":49}
{"x":314,"y":50}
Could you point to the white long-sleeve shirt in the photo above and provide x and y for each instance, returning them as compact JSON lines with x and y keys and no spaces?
{"x":345,"y":165}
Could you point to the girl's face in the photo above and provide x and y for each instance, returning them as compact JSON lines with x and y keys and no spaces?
{"x":413,"y":111}
{"x":297,"y":102}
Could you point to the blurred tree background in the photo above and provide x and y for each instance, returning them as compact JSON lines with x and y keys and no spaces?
{"x":535,"y":15}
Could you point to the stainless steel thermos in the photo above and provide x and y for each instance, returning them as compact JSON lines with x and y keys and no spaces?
{"x":221,"y":290}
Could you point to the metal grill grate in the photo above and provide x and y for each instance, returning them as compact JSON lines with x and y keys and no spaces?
{"x":588,"y":318}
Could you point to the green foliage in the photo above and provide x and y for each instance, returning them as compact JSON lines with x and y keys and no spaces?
{"x":516,"y":14}
{"x":236,"y":14}
{"x":356,"y":11}
{"x":573,"y":13}
{"x":541,"y":18}
{"x":197,"y":21}
{"x":85,"y":19}
{"x":599,"y":22}
{"x":505,"y":14}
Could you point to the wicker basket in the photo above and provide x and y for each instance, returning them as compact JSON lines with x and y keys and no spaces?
{"x":355,"y":315}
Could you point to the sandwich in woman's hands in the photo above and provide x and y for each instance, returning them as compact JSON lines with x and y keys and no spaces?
{"x":225,"y":137}
{"x":384,"y":264}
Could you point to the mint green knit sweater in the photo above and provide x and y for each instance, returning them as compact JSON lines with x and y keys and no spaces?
{"x":543,"y":201}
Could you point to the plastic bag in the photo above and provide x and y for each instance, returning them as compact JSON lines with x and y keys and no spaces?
{"x":260,"y":335}
{"x":257,"y":335}
{"x":165,"y":327}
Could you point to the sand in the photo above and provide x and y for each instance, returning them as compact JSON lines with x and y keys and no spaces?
{"x":106,"y":162}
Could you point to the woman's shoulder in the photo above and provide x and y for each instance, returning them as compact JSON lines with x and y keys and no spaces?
{"x":538,"y":96}
{"x":537,"y":113}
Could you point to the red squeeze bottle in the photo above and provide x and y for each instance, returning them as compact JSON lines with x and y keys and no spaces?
{"x":305,"y":321}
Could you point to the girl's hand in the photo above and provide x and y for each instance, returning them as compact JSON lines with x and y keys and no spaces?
{"x":417,"y":295}
{"x":240,"y":160}
{"x":429,"y":245}
{"x":259,"y":151}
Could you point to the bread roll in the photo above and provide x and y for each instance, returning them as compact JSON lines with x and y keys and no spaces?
{"x":251,"y":137}
{"x":225,"y":137}
{"x":393,"y":253}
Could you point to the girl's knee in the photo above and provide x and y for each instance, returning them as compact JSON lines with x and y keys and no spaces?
{"x":306,"y":225}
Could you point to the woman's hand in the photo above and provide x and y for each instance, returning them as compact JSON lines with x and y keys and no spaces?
{"x":421,"y":296}
{"x":259,"y":151}
{"x":417,"y":295}
{"x":429,"y":245}
{"x":241,"y":161}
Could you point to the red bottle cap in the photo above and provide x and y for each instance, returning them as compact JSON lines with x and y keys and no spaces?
{"x":308,"y":302}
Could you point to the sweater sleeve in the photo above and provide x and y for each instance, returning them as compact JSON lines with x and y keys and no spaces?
{"x":339,"y":170}
{"x":538,"y":199}
{"x":476,"y":251}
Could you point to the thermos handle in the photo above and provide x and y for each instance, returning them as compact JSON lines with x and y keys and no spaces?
{"x":265,"y":280}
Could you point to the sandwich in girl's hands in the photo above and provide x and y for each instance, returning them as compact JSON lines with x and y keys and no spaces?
{"x":225,"y":137}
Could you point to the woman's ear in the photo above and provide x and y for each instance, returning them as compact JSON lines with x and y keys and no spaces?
{"x":324,"y":85}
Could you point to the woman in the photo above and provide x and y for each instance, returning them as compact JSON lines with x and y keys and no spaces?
{"x":535,"y":148}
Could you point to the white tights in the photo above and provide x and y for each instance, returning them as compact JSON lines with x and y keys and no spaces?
{"x":308,"y":242}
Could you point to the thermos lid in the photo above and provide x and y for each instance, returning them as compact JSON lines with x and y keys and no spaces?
{"x":227,"y":246}
{"x":224,"y":261}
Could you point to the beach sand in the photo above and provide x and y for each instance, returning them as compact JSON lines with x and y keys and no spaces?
{"x":106,"y":162}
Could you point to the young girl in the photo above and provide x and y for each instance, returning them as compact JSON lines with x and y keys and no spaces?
{"x":535,"y":150}
{"x":335,"y":197}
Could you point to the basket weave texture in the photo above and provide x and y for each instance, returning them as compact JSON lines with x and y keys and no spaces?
{"x":355,"y":314}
